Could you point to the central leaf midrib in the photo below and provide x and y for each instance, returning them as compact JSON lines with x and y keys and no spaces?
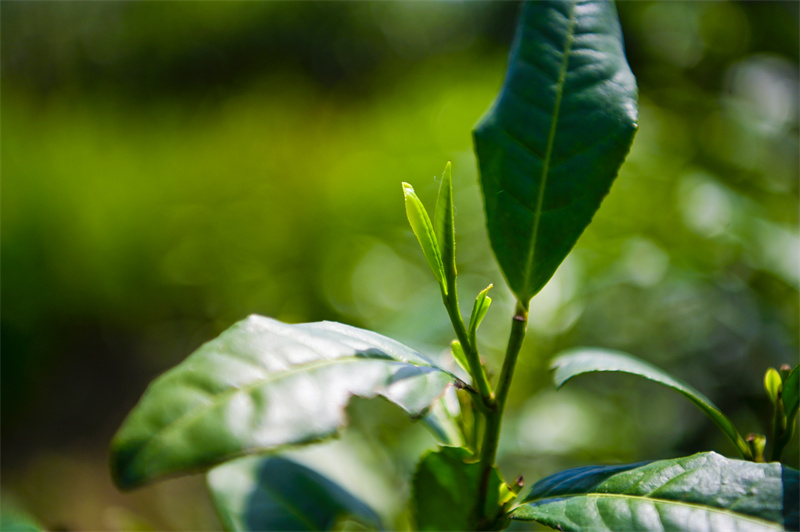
{"x":654,"y":500}
{"x":549,"y":150}
{"x":220,"y":398}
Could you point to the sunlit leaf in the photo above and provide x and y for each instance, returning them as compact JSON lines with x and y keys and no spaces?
{"x":264,"y":384}
{"x":423,"y":229}
{"x":703,"y":492}
{"x":479,"y":310}
{"x":553,"y":141}
{"x":772,"y":384}
{"x":578,"y":361}
{"x":459,"y":355}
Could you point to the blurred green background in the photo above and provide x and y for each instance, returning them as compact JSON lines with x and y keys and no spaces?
{"x":170,"y":168}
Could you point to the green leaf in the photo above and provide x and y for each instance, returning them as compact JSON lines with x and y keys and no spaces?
{"x":423,"y":230}
{"x":459,"y":355}
{"x":263,"y":384}
{"x":445,"y":488}
{"x":479,"y":310}
{"x":702,"y":492}
{"x":590,"y":360}
{"x":772,"y":384}
{"x":553,"y":141}
{"x":444,"y":223}
{"x":791,"y":394}
{"x":276,"y":493}
{"x":442,"y":419}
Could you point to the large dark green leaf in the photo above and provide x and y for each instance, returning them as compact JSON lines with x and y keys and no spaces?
{"x":277,"y":493}
{"x":701,"y":492}
{"x":264,"y":384}
{"x":553,"y":141}
{"x":582,"y":360}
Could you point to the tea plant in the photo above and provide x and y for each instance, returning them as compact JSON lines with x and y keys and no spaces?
{"x":548,"y":152}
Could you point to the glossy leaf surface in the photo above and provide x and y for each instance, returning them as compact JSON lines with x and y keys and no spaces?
{"x":277,"y":493}
{"x":264,"y":384}
{"x":426,"y":236}
{"x":703,"y":492}
{"x":553,"y":141}
{"x":445,"y":488}
{"x":591,"y":360}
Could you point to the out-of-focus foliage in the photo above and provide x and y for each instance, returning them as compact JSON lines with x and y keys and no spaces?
{"x":169,"y":168}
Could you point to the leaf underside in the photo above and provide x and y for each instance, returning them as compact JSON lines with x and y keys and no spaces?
{"x":263,"y":384}
{"x":701,"y":492}
{"x":277,"y":493}
{"x":580,"y":360}
{"x":553,"y":141}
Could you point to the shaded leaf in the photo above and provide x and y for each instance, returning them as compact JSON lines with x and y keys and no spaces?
{"x":264,"y":384}
{"x":705,"y":491}
{"x":277,"y":493}
{"x":445,"y":488}
{"x":423,"y":229}
{"x":791,"y":394}
{"x":592,"y":360}
{"x":442,"y":419}
{"x":552,"y":143}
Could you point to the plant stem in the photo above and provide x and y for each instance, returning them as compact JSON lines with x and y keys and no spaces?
{"x":476,"y":369}
{"x":494,"y":417}
{"x":782,"y":430}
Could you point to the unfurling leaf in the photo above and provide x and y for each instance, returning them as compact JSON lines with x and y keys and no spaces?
{"x":444,"y":223}
{"x":426,"y":236}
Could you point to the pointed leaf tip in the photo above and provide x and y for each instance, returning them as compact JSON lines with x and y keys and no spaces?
{"x":444,"y":223}
{"x":423,"y":229}
{"x":553,"y":141}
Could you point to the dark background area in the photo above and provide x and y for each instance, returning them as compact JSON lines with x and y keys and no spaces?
{"x":169,"y":168}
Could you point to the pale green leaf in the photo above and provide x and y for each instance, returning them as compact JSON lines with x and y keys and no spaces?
{"x":479,"y":310}
{"x":426,"y":236}
{"x":772,"y":384}
{"x":459,"y":355}
{"x":263,"y":384}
